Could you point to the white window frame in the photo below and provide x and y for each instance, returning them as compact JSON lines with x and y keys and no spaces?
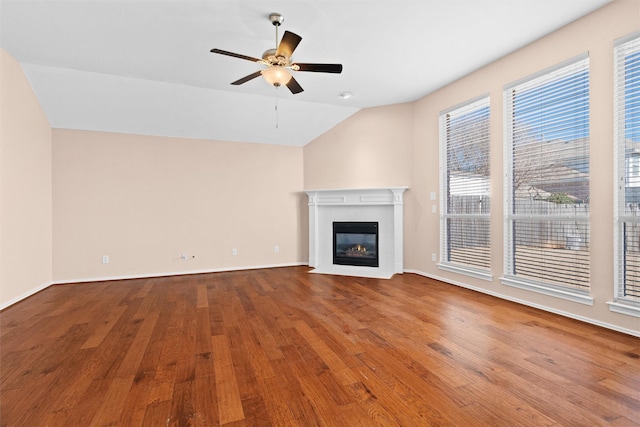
{"x":444,"y":263}
{"x":623,"y":173}
{"x":581,"y":296}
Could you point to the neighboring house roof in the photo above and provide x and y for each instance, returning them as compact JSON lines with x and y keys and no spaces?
{"x":468,"y":184}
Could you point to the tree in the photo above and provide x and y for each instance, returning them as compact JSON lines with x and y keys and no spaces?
{"x":465,"y":134}
{"x":560,"y":199}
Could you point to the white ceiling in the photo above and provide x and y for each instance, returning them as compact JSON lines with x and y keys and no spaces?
{"x":144,"y":66}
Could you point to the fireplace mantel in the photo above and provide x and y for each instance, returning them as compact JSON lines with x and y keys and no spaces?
{"x":384,"y":205}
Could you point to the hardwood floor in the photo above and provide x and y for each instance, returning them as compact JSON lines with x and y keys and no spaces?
{"x":284,"y":347}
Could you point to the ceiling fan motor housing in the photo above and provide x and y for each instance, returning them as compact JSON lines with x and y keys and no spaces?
{"x":270,"y":56}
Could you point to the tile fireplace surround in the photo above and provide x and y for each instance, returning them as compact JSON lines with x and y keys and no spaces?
{"x":382,"y":205}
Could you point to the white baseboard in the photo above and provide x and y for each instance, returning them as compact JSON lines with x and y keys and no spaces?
{"x":174,"y":273}
{"x":141,"y":276}
{"x":528,"y":303}
{"x":27,"y":295}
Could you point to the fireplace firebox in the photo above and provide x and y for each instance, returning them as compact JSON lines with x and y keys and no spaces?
{"x":355,"y":243}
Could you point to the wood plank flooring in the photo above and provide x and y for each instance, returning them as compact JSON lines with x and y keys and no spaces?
{"x":283,"y":347}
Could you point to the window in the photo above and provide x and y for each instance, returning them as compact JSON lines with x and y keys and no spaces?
{"x":627,"y":155}
{"x":465,"y":202}
{"x":547,"y":186}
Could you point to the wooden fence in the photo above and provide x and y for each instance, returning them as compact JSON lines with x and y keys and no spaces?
{"x":571,"y":233}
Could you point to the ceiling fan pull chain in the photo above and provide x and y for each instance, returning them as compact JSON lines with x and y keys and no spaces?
{"x":277,"y":113}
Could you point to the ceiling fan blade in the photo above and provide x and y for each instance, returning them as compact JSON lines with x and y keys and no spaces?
{"x":320,"y":68}
{"x":235,"y":55}
{"x":294,"y":86}
{"x":288,"y":44}
{"x":247,"y":78}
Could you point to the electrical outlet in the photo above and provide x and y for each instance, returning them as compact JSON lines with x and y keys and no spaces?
{"x":434,"y":257}
{"x":105,"y":259}
{"x":184,"y":256}
{"x":234,"y":251}
{"x":276,"y":249}
{"x":434,"y":209}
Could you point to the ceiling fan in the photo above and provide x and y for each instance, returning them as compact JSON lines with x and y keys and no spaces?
{"x":278,"y":61}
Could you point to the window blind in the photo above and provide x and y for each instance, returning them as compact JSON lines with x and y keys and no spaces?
{"x":547,"y":189}
{"x":627,"y":140}
{"x":465,"y":201}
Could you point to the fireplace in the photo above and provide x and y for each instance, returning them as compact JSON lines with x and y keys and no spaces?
{"x":355,"y":243}
{"x":381,"y":206}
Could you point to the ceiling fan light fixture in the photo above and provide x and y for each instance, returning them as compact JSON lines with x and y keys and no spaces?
{"x":276,"y":76}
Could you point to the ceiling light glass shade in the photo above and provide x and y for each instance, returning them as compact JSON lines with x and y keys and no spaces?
{"x":276,"y":76}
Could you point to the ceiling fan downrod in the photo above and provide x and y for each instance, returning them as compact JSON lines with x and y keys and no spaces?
{"x":276,"y":19}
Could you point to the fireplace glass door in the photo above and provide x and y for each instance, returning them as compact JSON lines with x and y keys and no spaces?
{"x":355,"y":243}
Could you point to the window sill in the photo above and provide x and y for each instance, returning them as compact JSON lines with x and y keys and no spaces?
{"x":624,"y":308}
{"x":467,"y":271}
{"x":566,"y":294}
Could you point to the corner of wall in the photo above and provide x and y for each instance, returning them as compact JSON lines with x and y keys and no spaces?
{"x":25,"y":187}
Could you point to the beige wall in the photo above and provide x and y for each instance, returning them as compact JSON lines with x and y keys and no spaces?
{"x":144,"y":201}
{"x":25,"y":187}
{"x":373,"y":148}
{"x":595,"y":34}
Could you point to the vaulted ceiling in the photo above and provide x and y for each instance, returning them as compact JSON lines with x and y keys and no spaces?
{"x":144,"y":66}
